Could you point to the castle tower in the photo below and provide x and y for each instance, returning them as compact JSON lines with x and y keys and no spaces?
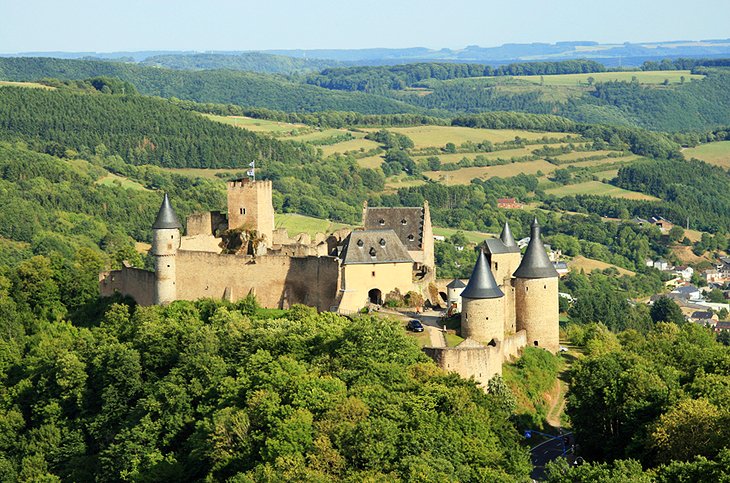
{"x":165,"y":243}
{"x":250,"y":207}
{"x":482,"y":305}
{"x":536,"y":295}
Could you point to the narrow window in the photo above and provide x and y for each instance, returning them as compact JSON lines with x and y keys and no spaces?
{"x":527,"y":288}
{"x":373,"y":274}
{"x":545,"y":286}
{"x":172,"y":237}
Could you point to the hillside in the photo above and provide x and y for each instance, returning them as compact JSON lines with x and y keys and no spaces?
{"x":220,"y":86}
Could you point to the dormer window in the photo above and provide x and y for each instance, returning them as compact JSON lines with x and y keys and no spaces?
{"x":404,"y":221}
{"x":411,"y":237}
{"x":381,"y":221}
{"x":382,"y":242}
{"x":360,"y":243}
{"x":372,"y":252}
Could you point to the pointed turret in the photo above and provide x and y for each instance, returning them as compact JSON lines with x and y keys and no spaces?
{"x":166,"y":217}
{"x":481,"y":283}
{"x":506,"y":236}
{"x":535,"y":263}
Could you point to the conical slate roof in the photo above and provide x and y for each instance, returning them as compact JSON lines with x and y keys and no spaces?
{"x":535,"y":263}
{"x":507,"y":238}
{"x":456,"y":283}
{"x":166,"y":217}
{"x":481,"y":283}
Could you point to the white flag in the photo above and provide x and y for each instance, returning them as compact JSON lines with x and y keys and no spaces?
{"x":252,"y":164}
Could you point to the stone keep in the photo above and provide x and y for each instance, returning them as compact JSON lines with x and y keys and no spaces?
{"x":536,"y":295}
{"x":250,"y":207}
{"x":482,"y":316}
{"x":165,"y":244}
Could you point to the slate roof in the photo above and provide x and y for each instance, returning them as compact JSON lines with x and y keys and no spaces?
{"x":456,"y":283}
{"x":507,"y":238}
{"x":702,"y":315}
{"x":166,"y":217}
{"x":535,"y":263}
{"x":374,"y":246}
{"x":686,"y":289}
{"x":481,"y":283}
{"x":407,"y":223}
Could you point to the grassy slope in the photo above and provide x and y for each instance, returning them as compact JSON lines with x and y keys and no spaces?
{"x":713,"y":153}
{"x":644,"y":77}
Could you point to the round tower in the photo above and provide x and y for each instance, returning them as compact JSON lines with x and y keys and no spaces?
{"x":165,"y":243}
{"x":482,"y":305}
{"x":536,"y":295}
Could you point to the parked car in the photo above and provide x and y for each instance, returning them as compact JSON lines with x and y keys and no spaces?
{"x":415,"y":325}
{"x":563,"y":348}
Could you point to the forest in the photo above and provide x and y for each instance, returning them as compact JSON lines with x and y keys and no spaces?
{"x":449,"y":89}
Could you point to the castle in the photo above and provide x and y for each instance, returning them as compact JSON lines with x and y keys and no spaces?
{"x":509,"y":302}
{"x":234,"y":254}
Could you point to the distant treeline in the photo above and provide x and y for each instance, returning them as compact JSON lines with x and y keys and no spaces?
{"x":218,"y":86}
{"x":684,"y":64}
{"x":383,"y":78}
{"x":247,"y":61}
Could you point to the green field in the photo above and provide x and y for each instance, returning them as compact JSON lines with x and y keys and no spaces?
{"x":34,"y":85}
{"x":713,"y":153}
{"x":644,"y":77}
{"x":258,"y":125}
{"x":295,"y":224}
{"x":113,"y":179}
{"x":319,"y":135}
{"x":456,"y":157}
{"x":599,"y":189}
{"x":465,"y":175}
{"x":438,"y":136}
{"x":372,"y":162}
{"x":471,"y":236}
{"x":351,"y":145}
{"x":588,"y":265}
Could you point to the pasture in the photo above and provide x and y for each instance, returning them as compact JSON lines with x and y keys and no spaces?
{"x":599,"y":189}
{"x":471,"y":236}
{"x":456,"y":157}
{"x":372,"y":162}
{"x":438,"y":136}
{"x":258,"y":125}
{"x":359,"y":144}
{"x":712,"y":153}
{"x":33,"y":85}
{"x":588,"y":265}
{"x":113,"y":179}
{"x":207,"y":173}
{"x":465,"y":175}
{"x":644,"y":77}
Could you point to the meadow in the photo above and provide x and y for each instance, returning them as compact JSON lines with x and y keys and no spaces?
{"x":295,"y":224}
{"x":259,"y":125}
{"x":599,"y":189}
{"x":644,"y":77}
{"x":713,"y":153}
{"x":34,"y":85}
{"x":438,"y":136}
{"x":465,"y":175}
{"x":588,"y":265}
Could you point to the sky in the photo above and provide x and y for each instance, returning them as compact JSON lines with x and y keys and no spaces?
{"x":201,"y":25}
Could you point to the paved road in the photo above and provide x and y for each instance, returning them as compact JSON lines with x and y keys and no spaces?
{"x":544,"y":453}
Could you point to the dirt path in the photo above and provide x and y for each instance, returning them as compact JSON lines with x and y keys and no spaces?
{"x":557,"y":404}
{"x":436,"y":336}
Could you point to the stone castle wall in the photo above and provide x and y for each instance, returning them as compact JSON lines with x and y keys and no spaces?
{"x":359,"y":279}
{"x":250,"y":206}
{"x":536,"y":306}
{"x":129,"y":281}
{"x":513,"y":345}
{"x":480,"y":362}
{"x":277,"y":281}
